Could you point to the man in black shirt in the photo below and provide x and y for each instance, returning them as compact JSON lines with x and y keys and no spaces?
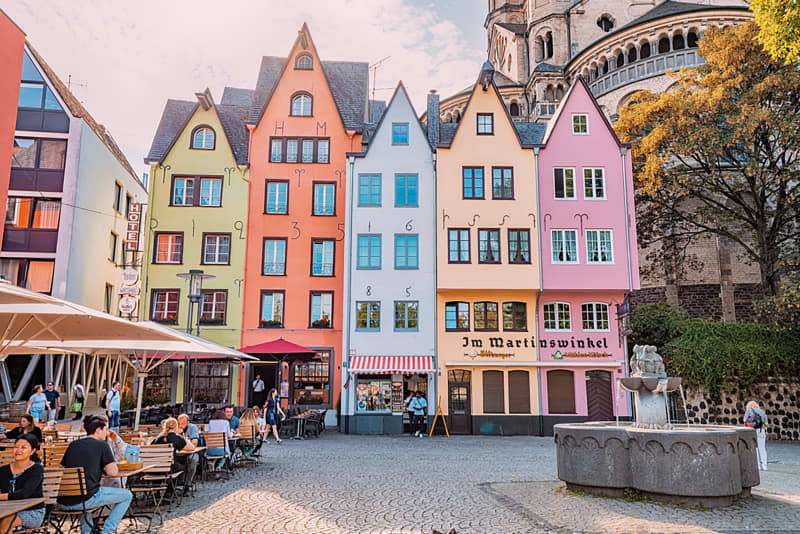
{"x":93,"y":454}
{"x":54,"y":400}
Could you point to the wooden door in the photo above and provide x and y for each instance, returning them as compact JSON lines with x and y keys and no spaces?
{"x":458,"y":401}
{"x":599,"y":398}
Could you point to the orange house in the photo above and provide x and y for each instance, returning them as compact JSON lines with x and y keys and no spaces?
{"x":12,"y":43}
{"x":306,"y":115}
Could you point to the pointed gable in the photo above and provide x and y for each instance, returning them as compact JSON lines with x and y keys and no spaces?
{"x":399,"y":98}
{"x":347,"y":82}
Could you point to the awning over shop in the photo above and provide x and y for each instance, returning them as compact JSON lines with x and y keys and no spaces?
{"x":373,"y":365}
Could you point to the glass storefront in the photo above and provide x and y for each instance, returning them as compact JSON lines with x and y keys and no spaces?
{"x":311,"y":380}
{"x":210,"y":381}
{"x":374,"y":394}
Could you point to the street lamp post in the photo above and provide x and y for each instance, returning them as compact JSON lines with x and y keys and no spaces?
{"x":195,"y":278}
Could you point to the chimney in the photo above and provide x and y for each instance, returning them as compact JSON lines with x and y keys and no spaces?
{"x":433,"y":118}
{"x":486,"y":75}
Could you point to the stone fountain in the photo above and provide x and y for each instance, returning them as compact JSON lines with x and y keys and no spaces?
{"x":690,"y":465}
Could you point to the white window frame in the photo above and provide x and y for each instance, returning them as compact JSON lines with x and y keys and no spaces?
{"x":166,"y":293}
{"x":272,"y":307}
{"x":328,"y":257}
{"x":218,"y":238}
{"x":305,"y":108}
{"x":593,"y":183}
{"x":273,"y":156}
{"x":557,"y":310}
{"x":611,"y":239}
{"x":325,"y":201}
{"x":277,"y":198}
{"x":323,"y":306}
{"x":215,"y":304}
{"x":291,"y":155}
{"x":204,"y":144}
{"x":275,"y":256}
{"x":327,"y":144}
{"x":594,"y":320}
{"x":211,"y":181}
{"x":564,"y":244}
{"x":185,"y":200}
{"x":577,"y":115}
{"x":574,"y":189}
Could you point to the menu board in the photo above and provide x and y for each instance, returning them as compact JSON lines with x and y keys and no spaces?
{"x":397,"y":397}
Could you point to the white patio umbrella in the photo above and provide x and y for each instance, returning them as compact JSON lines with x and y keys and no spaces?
{"x":145,"y":355}
{"x":30,"y":318}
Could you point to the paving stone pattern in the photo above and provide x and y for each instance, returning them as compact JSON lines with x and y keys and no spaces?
{"x":379,"y":485}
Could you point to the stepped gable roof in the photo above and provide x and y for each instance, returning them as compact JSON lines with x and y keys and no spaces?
{"x":177,"y":114}
{"x":77,"y":110}
{"x":347,"y":80}
{"x":519,"y":29}
{"x":235,"y":96}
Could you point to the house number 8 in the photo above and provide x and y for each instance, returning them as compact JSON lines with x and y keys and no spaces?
{"x":369,"y":291}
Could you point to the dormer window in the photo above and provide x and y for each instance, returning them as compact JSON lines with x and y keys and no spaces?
{"x":304,"y":61}
{"x":301,"y":105}
{"x":203,"y":138}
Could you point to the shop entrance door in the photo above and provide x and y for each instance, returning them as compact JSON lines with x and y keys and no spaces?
{"x":598,"y":396}
{"x":458,"y":401}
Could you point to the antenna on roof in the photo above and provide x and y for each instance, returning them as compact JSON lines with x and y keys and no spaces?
{"x":374,"y":69}
{"x":70,"y":84}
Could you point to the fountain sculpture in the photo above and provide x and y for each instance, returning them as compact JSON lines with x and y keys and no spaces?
{"x":690,"y":465}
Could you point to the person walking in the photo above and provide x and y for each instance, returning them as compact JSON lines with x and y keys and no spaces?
{"x":37,"y":404}
{"x":418,"y":405}
{"x":271,"y":411}
{"x":93,"y":454}
{"x":258,"y":391}
{"x":53,"y":400}
{"x":77,"y":403}
{"x":756,"y":418}
{"x":113,"y":407}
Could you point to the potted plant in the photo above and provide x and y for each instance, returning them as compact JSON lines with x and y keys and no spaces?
{"x":324,"y":322}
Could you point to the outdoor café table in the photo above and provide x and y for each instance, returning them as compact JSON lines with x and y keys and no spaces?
{"x":71,"y":436}
{"x":12,"y":508}
{"x":185,"y":452}
{"x":299,"y":425}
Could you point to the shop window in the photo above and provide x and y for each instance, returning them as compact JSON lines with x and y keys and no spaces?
{"x":406,"y":315}
{"x":369,"y":251}
{"x":216,"y":249}
{"x":369,"y":190}
{"x":458,"y":245}
{"x":368,"y":316}
{"x":515,"y":317}
{"x":560,"y":392}
{"x":271,"y":309}
{"x":324,"y":198}
{"x":405,"y":190}
{"x":472,"y":182}
{"x":599,"y":247}
{"x":456,"y":316}
{"x":488,"y":246}
{"x":213,"y":306}
{"x":274,"y":257}
{"x":322,"y":257}
{"x":374,"y":394}
{"x":485,"y":316}
{"x":165,"y":306}
{"x":276,"y":199}
{"x":493,"y":392}
{"x":406,"y":251}
{"x":210,"y":381}
{"x":557,"y":317}
{"x":204,"y":138}
{"x":311,"y":380}
{"x":564,"y":183}
{"x":502,"y":183}
{"x":519,"y":392}
{"x":519,"y":246}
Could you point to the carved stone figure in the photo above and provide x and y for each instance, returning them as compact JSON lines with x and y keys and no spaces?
{"x":647,"y":362}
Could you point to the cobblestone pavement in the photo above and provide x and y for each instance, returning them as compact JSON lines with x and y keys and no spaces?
{"x":375,"y":485}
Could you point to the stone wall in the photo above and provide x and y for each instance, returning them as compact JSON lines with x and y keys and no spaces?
{"x":703,"y":300}
{"x":780,"y":398}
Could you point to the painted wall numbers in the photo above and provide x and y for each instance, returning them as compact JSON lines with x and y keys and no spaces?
{"x":409,"y":225}
{"x":368,"y":291}
{"x":296,"y":228}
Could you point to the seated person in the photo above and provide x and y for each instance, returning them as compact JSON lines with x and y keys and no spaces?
{"x":232,"y":419}
{"x":188,"y":430}
{"x":250,"y":418}
{"x":182,"y":462}
{"x":219,"y":423}
{"x":26,"y":426}
{"x":22,"y":479}
{"x":119,"y":449}
{"x":93,"y":454}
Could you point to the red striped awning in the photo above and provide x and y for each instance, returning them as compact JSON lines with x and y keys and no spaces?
{"x":373,"y":365}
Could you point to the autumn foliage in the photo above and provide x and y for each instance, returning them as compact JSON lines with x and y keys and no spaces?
{"x":779,"y":23}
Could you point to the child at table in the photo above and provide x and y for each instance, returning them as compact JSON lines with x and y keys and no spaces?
{"x":22,"y":479}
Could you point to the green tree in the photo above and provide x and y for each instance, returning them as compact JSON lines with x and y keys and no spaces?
{"x":717,"y":156}
{"x":779,"y":23}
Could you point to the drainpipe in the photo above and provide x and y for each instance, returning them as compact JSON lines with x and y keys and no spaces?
{"x":624,"y":152}
{"x":541,"y":280}
{"x":345,"y":394}
{"x":435,"y":294}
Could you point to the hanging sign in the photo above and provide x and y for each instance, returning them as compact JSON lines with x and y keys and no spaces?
{"x":127,"y":304}
{"x":130,"y":277}
{"x":134,"y":221}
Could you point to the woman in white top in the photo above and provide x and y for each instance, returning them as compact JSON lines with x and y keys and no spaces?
{"x":219,"y":423}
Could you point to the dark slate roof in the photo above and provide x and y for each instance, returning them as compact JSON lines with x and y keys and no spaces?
{"x":174,"y":117}
{"x":233,"y":122}
{"x":376,"y":109}
{"x":234,"y":96}
{"x":530,"y":133}
{"x":670,"y":7}
{"x":547,"y":67}
{"x":369,"y":131}
{"x":348,"y":82}
{"x":77,"y":110}
{"x":519,"y":29}
{"x":501,"y":80}
{"x":447,"y":131}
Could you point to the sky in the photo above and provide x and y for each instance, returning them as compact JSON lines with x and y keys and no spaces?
{"x":124,"y":59}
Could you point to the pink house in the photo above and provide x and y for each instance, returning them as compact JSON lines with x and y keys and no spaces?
{"x":589,"y":261}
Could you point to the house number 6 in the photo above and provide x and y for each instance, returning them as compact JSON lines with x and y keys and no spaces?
{"x":410,"y":225}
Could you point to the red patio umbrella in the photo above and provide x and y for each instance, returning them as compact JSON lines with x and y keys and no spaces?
{"x":280,"y":350}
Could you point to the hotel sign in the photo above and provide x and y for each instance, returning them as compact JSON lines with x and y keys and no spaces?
{"x":134,"y":223}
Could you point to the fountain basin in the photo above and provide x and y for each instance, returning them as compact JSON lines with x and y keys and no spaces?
{"x":708,"y":466}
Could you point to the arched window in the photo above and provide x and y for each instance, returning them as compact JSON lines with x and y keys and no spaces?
{"x":538,"y":49}
{"x":663,"y":45}
{"x":301,"y":105}
{"x":644,"y":49}
{"x":604,"y":67}
{"x":559,"y":93}
{"x":605,"y":23}
{"x":692,"y":40}
{"x":549,"y":94}
{"x":593,"y":74}
{"x":513,"y":109}
{"x":677,"y":42}
{"x":620,"y":59}
{"x":632,"y":55}
{"x":203,"y":138}
{"x":448,"y":118}
{"x":304,"y":61}
{"x":456,"y":116}
{"x":548,"y":44}
{"x":509,"y":63}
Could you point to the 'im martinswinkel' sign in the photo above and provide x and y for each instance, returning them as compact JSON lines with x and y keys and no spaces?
{"x":530,"y":343}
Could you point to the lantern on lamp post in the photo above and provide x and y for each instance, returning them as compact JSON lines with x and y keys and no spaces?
{"x":195,"y":278}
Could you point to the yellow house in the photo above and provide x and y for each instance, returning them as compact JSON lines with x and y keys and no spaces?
{"x":488,"y":275}
{"x":197,"y":220}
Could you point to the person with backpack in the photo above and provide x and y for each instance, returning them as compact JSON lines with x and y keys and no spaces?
{"x":756,"y":418}
{"x":112,"y":407}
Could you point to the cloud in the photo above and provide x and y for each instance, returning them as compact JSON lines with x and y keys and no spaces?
{"x":127,"y":58}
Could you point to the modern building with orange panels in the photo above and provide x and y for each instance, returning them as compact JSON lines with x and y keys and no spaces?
{"x":306,"y":115}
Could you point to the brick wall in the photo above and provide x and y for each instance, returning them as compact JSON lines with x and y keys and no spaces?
{"x":779,"y":398}
{"x":744,"y":295}
{"x":703,"y":300}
